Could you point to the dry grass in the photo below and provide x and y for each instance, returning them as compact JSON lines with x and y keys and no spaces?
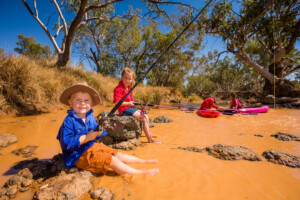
{"x":31,"y":87}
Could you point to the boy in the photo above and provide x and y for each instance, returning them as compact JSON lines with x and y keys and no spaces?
{"x":77,"y":136}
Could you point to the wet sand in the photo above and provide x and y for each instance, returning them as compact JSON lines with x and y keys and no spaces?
{"x":183,"y":174}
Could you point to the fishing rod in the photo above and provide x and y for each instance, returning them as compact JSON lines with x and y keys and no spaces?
{"x":178,"y":107}
{"x":162,"y":106}
{"x":102,"y":118}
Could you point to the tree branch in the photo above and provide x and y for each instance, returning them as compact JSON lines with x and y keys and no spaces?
{"x":99,"y":6}
{"x":264,"y":46}
{"x":258,"y":16}
{"x":294,"y":37}
{"x":61,"y":17}
{"x":293,"y":70}
{"x":170,"y":2}
{"x":43,"y":26}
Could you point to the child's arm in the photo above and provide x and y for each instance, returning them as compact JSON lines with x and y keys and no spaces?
{"x":89,"y":137}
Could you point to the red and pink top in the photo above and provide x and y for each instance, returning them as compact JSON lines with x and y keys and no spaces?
{"x":235,"y":103}
{"x":208,"y":103}
{"x":119,"y":92}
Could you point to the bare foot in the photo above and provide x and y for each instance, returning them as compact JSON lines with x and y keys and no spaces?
{"x":157,"y":142}
{"x":151,"y":172}
{"x":151,"y":161}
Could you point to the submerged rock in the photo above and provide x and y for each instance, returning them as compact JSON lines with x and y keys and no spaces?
{"x":26,"y":151}
{"x":151,"y":124}
{"x":162,"y":119}
{"x":193,"y":149}
{"x":102,"y":193}
{"x":228,"y":152}
{"x":258,"y":135}
{"x":127,"y":145}
{"x":286,"y":137}
{"x":17,"y":183}
{"x":7,"y":139}
{"x":282,"y":158}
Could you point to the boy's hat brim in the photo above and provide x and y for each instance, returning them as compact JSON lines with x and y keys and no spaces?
{"x":80,"y":87}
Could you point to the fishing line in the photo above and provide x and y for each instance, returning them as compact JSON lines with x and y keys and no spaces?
{"x":274,"y":53}
{"x":101,"y":118}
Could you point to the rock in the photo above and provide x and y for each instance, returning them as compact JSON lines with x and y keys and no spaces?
{"x":15,"y":180}
{"x":42,"y":169}
{"x":26,"y":151}
{"x":162,"y":119}
{"x":227,"y":152}
{"x":7,"y":139}
{"x":127,"y":145}
{"x":174,"y":101}
{"x":71,"y":186}
{"x":296,"y":104}
{"x":12,"y":191}
{"x":25,"y":173}
{"x":2,"y":191}
{"x":26,"y":182}
{"x":23,"y":189}
{"x":286,"y":137}
{"x":282,"y":158}
{"x":151,"y":124}
{"x":102,"y":194}
{"x":123,"y":128}
{"x":193,"y":149}
{"x":107,"y":140}
{"x":258,"y":135}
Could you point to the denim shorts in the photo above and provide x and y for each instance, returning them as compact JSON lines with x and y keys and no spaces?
{"x":129,"y":111}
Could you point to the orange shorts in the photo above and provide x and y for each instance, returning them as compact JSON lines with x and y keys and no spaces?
{"x":96,"y":159}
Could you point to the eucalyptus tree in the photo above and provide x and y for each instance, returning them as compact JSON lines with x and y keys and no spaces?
{"x":74,"y":15}
{"x":262,"y":34}
{"x":28,"y":46}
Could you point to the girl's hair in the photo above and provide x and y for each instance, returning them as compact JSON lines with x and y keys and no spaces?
{"x":233,"y":95}
{"x":129,"y":71}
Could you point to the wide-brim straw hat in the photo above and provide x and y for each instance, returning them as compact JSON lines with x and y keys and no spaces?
{"x":80,"y":87}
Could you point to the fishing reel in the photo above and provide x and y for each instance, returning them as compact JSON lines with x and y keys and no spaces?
{"x":103,"y":121}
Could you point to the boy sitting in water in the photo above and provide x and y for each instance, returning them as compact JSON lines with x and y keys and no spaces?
{"x":77,"y":136}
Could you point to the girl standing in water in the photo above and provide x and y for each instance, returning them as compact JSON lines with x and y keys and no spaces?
{"x":127,"y":108}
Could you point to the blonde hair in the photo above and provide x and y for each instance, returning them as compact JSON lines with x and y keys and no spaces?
{"x":129,"y":71}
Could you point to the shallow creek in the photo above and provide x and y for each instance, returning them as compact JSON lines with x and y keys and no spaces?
{"x":183,"y":174}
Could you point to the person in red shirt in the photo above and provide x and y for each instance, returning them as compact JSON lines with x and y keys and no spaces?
{"x":210,"y":103}
{"x":234,"y":101}
{"x":127,"y":108}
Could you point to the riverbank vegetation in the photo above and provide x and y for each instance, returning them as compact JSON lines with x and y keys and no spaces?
{"x":29,"y":87}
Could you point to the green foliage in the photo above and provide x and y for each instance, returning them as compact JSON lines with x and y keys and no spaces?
{"x":257,"y":32}
{"x":156,"y":98}
{"x":29,"y":47}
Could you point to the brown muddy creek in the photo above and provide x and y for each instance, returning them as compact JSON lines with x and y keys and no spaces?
{"x":183,"y":174}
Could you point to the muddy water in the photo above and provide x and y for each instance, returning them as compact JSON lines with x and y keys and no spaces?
{"x":183,"y":174}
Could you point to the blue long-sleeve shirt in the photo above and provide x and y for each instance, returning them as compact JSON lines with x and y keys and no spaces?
{"x":69,"y":133}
